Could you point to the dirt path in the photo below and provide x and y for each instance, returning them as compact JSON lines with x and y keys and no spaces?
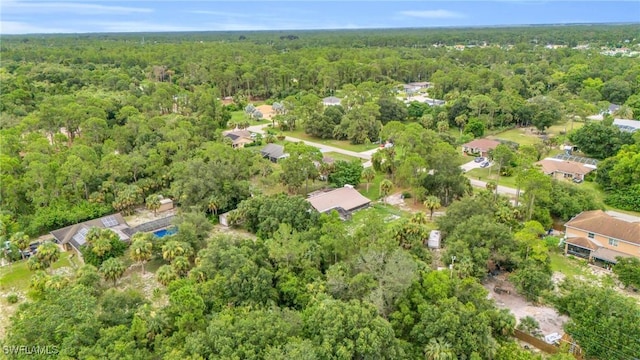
{"x":549,"y":319}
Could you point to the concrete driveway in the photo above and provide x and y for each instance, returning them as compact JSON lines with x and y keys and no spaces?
{"x":470,"y":165}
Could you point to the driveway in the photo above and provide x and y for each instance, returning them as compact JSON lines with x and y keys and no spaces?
{"x":366,"y":155}
{"x":470,"y":166}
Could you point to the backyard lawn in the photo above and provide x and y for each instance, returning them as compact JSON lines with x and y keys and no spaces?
{"x":342,"y":144}
{"x":517,"y":135}
{"x":569,"y":267}
{"x":240,"y":116}
{"x":388,"y":212}
{"x":374,"y":188}
{"x":17,"y":275}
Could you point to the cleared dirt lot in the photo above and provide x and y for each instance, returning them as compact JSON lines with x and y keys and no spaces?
{"x":549,"y":319}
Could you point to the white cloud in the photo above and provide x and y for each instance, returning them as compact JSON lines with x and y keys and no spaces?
{"x":137,"y":26}
{"x":17,"y":27}
{"x":218,"y":13}
{"x":30,"y":8}
{"x":432,"y":14}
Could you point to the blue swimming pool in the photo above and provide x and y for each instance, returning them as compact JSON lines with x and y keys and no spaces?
{"x":165,"y":232}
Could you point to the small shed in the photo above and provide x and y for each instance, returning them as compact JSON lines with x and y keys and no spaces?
{"x":434,"y":240}
{"x":222,"y":219}
{"x":165,"y":205}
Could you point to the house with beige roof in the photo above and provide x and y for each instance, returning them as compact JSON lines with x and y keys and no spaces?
{"x":480,"y":146}
{"x":598,"y":236}
{"x":239,"y":138}
{"x":564,"y":169}
{"x":344,"y":200}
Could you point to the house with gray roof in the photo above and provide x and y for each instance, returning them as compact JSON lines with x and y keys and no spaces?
{"x":274,"y":152}
{"x":74,"y":236}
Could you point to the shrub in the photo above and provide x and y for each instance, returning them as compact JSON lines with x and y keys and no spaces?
{"x":12,"y":298}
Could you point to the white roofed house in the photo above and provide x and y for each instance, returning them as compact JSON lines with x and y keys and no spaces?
{"x":627,"y":125}
{"x":331,"y":101}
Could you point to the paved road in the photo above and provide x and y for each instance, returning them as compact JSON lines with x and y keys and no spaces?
{"x":501,"y":189}
{"x":366,"y":155}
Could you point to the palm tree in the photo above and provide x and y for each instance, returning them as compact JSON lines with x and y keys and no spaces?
{"x":153,"y":203}
{"x":56,"y":282}
{"x":101,"y":246}
{"x":419,"y":218}
{"x":172,"y":249}
{"x":181,"y":265}
{"x":624,"y":112}
{"x":431,"y":203}
{"x":165,"y":274}
{"x":385,"y":188}
{"x":112,"y":269}
{"x":48,"y":253}
{"x":21,"y":241}
{"x":34,"y":265}
{"x":141,"y":249}
{"x":368,"y":174}
{"x":212,"y":205}
{"x":491,"y":186}
{"x":438,"y":349}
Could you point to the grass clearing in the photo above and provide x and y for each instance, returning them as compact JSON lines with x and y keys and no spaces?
{"x":566,"y":127}
{"x":517,"y":135}
{"x":387,"y":212}
{"x":373,"y":193}
{"x":337,"y":156}
{"x":342,"y":144}
{"x":489,"y":173}
{"x":17,"y":274}
{"x":569,"y":267}
{"x":240,"y":117}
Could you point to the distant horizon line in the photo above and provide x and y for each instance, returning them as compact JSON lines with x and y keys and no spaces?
{"x":334,"y":29}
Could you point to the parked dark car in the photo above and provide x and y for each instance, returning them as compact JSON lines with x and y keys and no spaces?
{"x":478,"y":159}
{"x":484,"y":164}
{"x":33,"y":247}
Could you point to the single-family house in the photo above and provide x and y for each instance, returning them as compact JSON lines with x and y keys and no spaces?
{"x":564,"y":169}
{"x":420,"y":84}
{"x":344,"y":200}
{"x":596,"y":235}
{"x":611,"y":109}
{"x":480,"y":146}
{"x":239,"y":138}
{"x":627,"y":125}
{"x":74,"y":236}
{"x":274,"y":152}
{"x":331,"y":101}
{"x":434,"y":102}
{"x":410,"y":89}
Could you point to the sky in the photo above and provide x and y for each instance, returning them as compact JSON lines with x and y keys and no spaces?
{"x":80,"y":16}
